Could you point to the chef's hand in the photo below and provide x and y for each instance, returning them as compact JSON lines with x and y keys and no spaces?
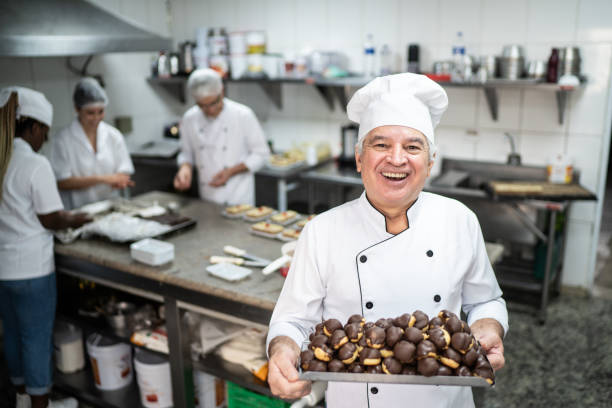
{"x":490,"y":333}
{"x":119,"y":180}
{"x":282,"y":374}
{"x":221,"y":178}
{"x":182,"y":180}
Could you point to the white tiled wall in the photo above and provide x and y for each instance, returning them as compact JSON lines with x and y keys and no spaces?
{"x":467,"y":131}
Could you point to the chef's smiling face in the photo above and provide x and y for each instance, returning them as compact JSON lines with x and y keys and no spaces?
{"x":394,"y":165}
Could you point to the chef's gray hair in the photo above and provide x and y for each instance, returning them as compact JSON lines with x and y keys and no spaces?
{"x":431,"y":147}
{"x":204,"y":82}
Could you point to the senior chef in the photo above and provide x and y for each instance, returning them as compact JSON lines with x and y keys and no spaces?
{"x":30,"y":205}
{"x":394,"y":250}
{"x":223,"y":140}
{"x":90,"y":158}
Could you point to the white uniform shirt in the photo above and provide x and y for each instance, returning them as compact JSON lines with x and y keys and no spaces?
{"x":73,"y":156}
{"x":210,"y":145}
{"x":29,"y":188}
{"x":346,"y":263}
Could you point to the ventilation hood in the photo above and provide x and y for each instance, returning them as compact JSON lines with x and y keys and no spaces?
{"x":46,"y":28}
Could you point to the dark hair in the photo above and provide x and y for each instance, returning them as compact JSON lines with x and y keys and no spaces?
{"x":24,"y":124}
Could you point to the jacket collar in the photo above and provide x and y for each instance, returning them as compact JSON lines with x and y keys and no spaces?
{"x":377,"y":219}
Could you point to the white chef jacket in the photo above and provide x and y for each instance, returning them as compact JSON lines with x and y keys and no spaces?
{"x":73,"y":156}
{"x":346,"y":263}
{"x":212,"y":144}
{"x":29,"y":188}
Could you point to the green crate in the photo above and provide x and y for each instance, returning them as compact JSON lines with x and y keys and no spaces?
{"x":238,"y":397}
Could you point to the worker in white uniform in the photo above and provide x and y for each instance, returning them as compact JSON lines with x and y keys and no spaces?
{"x":29,"y":207}
{"x":394,"y":250}
{"x":90,"y":158}
{"x":223,"y":140}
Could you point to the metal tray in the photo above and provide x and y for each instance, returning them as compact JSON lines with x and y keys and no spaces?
{"x":395,"y":379}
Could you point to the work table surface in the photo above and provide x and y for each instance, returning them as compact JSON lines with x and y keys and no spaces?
{"x":192,"y":248}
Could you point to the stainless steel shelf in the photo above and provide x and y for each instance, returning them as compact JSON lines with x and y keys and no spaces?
{"x":341,"y":89}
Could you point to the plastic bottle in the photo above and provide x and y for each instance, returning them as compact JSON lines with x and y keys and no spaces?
{"x":369,"y":57}
{"x":458,"y":51}
{"x":385,"y":60}
{"x":552,"y":73}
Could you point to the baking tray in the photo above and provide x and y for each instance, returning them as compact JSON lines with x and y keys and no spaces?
{"x":538,"y":190}
{"x":394,"y":379}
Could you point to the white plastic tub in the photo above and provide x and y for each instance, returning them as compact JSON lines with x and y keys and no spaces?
{"x":152,"y":251}
{"x":153,"y":377}
{"x":111,"y":362}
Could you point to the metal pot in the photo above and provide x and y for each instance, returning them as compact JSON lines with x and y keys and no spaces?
{"x":120,"y":316}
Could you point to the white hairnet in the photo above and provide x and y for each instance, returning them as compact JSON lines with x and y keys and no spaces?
{"x":31,"y":104}
{"x":204,"y":82}
{"x":407,"y":99}
{"x":89,"y":92}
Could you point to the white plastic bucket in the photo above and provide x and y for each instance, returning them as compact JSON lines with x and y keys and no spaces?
{"x":111,"y":362}
{"x":209,"y":390}
{"x":153,"y":377}
{"x":68,"y":345}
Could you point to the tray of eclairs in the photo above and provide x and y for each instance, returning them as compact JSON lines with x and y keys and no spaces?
{"x":408,"y":349}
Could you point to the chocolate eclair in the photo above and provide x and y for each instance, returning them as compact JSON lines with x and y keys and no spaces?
{"x":306,"y":357}
{"x":409,"y":370}
{"x":483,"y":372}
{"x":336,"y":366}
{"x":421,"y":320}
{"x":375,"y":337}
{"x":391,"y":366}
{"x":318,"y":341}
{"x":356,"y":368}
{"x":404,"y":351}
{"x":451,"y":358}
{"x":384,"y":323}
{"x":428,"y":366}
{"x":317,"y":365}
{"x":348,"y":353}
{"x":414,"y":335}
{"x":461,"y":342}
{"x":440,"y":337}
{"x":404,"y":321}
{"x":446,"y":314}
{"x":369,"y":356}
{"x":426,"y":349}
{"x":319,"y":329}
{"x":463,"y":371}
{"x":330,"y":326}
{"x":393,"y":334}
{"x":442,"y":370}
{"x":469,"y":358}
{"x":453,"y":325}
{"x":375,"y":369}
{"x":356,"y":318}
{"x":354,"y":331}
{"x":338,"y":339}
{"x":435,"y":322}
{"x":386,"y":352}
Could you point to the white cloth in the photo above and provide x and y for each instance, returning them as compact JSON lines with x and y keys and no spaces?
{"x":73,"y":156}
{"x":32,"y":104}
{"x":330,"y":278}
{"x":210,"y":145}
{"x":29,"y":188}
{"x":406,"y":99}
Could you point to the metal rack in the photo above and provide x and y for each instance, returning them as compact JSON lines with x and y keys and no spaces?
{"x":341,"y":89}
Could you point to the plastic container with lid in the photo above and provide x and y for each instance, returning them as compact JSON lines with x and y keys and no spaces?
{"x":153,"y":377}
{"x":256,"y":42}
{"x":152,"y":251}
{"x":68,"y":345}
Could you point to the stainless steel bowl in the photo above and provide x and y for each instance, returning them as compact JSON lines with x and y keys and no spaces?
{"x":120,"y":315}
{"x":510,"y":67}
{"x":537,"y":69}
{"x":513,"y":51}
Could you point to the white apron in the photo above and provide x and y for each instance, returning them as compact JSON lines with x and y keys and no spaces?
{"x":347,"y":263}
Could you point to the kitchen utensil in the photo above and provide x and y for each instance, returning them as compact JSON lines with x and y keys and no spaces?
{"x":215,"y":259}
{"x":536,"y":69}
{"x":186,"y":62}
{"x":349,"y":140}
{"x":287,"y":251}
{"x":511,"y":67}
{"x":513,"y":51}
{"x":120,"y":316}
{"x":232,"y":250}
{"x":569,"y":61}
{"x":488,"y":63}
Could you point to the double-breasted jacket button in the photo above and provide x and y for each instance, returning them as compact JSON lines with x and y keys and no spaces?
{"x":363,"y":259}
{"x":429,"y":253}
{"x":369,"y":305}
{"x":374,"y":390}
{"x":437,"y":298}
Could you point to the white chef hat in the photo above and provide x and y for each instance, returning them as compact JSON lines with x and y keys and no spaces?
{"x":407,"y":99}
{"x":204,"y":82}
{"x":31,"y":103}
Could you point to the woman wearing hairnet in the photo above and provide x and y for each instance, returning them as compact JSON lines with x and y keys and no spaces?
{"x":90,"y":159}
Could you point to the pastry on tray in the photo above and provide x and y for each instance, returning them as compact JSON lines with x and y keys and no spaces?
{"x":284,"y":216}
{"x":291,"y":233}
{"x":267,"y":228}
{"x":259,"y":212}
{"x":301,"y":223}
{"x":238,"y":209}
